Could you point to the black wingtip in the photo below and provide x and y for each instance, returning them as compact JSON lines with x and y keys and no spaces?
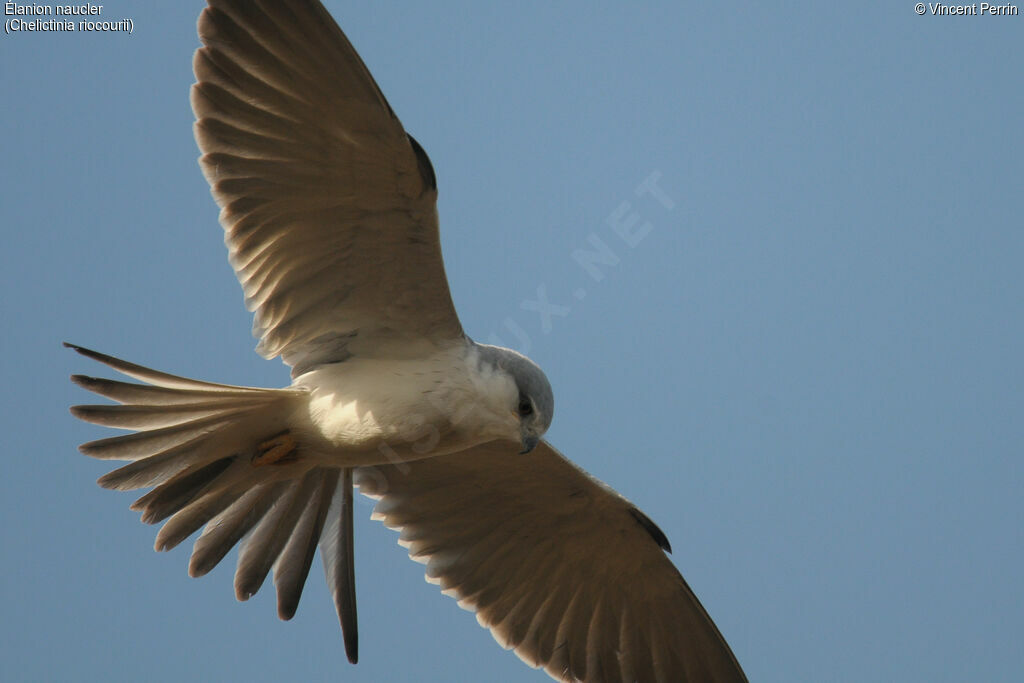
{"x":88,"y":353}
{"x":352,"y":647}
{"x":286,"y":610}
{"x":347,"y":611}
{"x":423,"y":162}
{"x":85,"y":381}
{"x":657,"y":534}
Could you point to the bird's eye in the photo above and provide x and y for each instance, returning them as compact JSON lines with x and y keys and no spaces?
{"x":525,"y":408}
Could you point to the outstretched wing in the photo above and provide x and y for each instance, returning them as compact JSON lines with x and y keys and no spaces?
{"x":329,"y":207}
{"x":557,"y":565}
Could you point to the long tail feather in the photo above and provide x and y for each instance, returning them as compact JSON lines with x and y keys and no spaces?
{"x":147,"y":394}
{"x":262,"y":548}
{"x":160,"y":379}
{"x":228,"y":528}
{"x":336,"y":549}
{"x":158,"y":416}
{"x":194,"y":443}
{"x":161,"y":466}
{"x":293,"y":565}
{"x":172,"y":496}
{"x":149,"y":442}
{"x":210,"y":502}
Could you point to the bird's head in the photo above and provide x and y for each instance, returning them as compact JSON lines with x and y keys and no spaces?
{"x":530,"y":404}
{"x":535,"y":406}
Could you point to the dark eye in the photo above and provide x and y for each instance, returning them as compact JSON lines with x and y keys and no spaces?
{"x":525,"y":407}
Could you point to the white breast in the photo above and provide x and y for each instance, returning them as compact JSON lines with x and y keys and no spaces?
{"x":440,"y":403}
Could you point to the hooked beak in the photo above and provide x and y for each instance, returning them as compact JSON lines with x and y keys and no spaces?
{"x":529,"y":443}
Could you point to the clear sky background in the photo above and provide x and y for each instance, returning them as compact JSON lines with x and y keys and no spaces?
{"x":808,"y":372}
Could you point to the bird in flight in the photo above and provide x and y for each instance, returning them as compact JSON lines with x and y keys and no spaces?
{"x":329,"y":213}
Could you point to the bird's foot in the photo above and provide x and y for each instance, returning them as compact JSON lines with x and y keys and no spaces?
{"x":277,"y":449}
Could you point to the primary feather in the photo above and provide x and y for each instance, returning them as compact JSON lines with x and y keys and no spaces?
{"x":329,"y":213}
{"x":561,"y":569}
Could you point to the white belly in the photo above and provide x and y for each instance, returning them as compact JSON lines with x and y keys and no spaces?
{"x":368,"y":411}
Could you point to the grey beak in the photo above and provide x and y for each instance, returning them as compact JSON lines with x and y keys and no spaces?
{"x":529,"y":443}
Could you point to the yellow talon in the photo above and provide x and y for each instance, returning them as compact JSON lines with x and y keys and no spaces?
{"x":275,"y":449}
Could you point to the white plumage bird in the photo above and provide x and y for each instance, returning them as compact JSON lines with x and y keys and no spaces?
{"x":329,"y":214}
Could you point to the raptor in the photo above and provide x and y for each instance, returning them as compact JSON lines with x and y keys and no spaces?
{"x":330,"y":220}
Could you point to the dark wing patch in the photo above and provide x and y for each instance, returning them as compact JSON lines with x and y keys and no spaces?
{"x":657,"y":534}
{"x":426,"y":168}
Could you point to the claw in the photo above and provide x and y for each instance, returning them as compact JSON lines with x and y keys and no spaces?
{"x":279,"y":448}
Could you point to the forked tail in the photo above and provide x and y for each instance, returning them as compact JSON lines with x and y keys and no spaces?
{"x":202,"y":447}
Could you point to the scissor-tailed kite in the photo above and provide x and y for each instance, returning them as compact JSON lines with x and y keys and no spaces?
{"x":328,"y":206}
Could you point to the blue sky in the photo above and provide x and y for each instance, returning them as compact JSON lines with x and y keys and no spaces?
{"x":808,"y":371}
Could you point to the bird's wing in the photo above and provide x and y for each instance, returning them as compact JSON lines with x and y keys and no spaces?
{"x":329,"y":207}
{"x":557,"y":565}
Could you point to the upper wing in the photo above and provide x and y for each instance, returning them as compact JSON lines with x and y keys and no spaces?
{"x":556,"y":564}
{"x":328,"y":205}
